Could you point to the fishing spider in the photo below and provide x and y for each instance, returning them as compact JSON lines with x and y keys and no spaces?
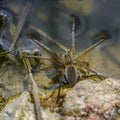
{"x":70,"y":66}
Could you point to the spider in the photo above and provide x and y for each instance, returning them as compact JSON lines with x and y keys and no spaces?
{"x":70,"y":66}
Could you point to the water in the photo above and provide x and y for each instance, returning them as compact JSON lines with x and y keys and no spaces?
{"x":53,"y":17}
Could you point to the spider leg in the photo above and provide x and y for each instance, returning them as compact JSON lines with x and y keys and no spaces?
{"x":45,"y":68}
{"x":33,"y":56}
{"x":53,"y":54}
{"x":81,"y":55}
{"x":56,"y":85}
{"x":85,"y":71}
{"x":101,"y":77}
{"x":41,"y":32}
{"x":73,"y":40}
{"x":60,"y":84}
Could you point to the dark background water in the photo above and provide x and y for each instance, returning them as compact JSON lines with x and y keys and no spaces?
{"x":53,"y":17}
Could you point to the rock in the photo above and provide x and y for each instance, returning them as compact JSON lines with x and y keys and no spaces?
{"x":22,"y":109}
{"x":4,"y":116}
{"x":88,"y":100}
{"x":92,"y":100}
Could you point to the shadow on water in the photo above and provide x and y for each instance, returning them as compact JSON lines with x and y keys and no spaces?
{"x":112,"y":57}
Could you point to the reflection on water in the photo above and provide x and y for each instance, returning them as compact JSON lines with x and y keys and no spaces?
{"x":53,"y":17}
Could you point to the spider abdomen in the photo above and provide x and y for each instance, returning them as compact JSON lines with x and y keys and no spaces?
{"x":71,"y":74}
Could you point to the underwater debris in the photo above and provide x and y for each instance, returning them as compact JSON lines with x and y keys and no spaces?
{"x":34,"y":85}
{"x":20,"y":24}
